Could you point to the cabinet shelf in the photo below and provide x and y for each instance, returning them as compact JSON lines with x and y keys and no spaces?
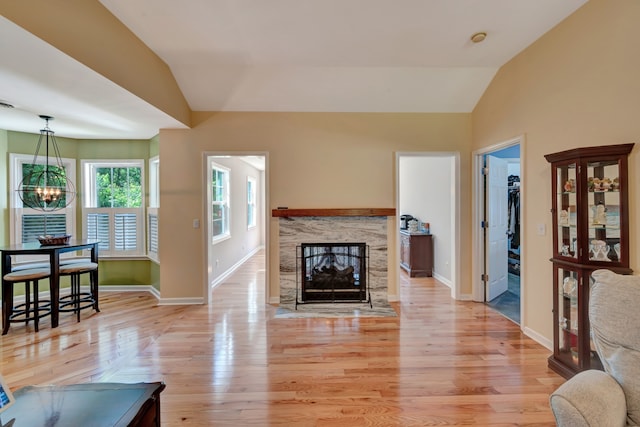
{"x":581,"y":246}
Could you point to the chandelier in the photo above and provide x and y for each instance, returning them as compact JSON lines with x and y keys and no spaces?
{"x":45,"y":186}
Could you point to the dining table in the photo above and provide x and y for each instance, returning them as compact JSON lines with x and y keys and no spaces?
{"x":53,"y":252}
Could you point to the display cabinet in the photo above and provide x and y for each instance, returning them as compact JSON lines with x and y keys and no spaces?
{"x":590,"y":231}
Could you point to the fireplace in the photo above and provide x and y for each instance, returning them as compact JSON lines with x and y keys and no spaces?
{"x":332,"y":272}
{"x":298,"y":226}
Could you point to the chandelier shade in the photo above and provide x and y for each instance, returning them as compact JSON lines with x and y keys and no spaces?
{"x":45,"y":185}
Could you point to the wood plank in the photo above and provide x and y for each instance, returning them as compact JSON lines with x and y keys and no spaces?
{"x":231,"y":363}
{"x":285,"y":212}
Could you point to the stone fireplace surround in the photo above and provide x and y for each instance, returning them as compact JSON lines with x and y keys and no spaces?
{"x":299,"y":226}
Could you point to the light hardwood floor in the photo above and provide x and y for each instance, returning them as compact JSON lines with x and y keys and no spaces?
{"x":440,"y":362}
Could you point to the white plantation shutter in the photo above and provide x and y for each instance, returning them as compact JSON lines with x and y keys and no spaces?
{"x":98,"y":229}
{"x":34,"y":225}
{"x":119,"y":230}
{"x":126,"y":232}
{"x":152,"y":230}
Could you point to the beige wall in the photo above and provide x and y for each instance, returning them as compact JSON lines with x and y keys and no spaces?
{"x":579,"y":85}
{"x":316,"y":160}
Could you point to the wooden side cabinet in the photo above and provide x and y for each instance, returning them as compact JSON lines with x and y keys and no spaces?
{"x":416,"y":253}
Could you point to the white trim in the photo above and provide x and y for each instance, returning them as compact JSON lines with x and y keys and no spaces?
{"x":88,"y":168}
{"x":125,"y":288}
{"x":540,"y":339}
{"x":222,"y":277}
{"x":153,"y":256}
{"x":155,"y":292}
{"x":254,"y":190}
{"x":266,"y":215}
{"x":154,"y":182}
{"x":478,"y":261}
{"x":16,"y":209}
{"x":181,"y":301}
{"x":442,"y":280}
{"x":455,"y":284}
{"x":44,"y":295}
{"x":226,"y":203}
{"x":18,"y":299}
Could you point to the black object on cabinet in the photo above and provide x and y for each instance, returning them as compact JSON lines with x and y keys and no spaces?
{"x":590,"y":214}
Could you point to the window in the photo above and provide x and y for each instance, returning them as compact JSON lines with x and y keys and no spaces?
{"x":152,"y":211}
{"x":114,"y":205}
{"x":251,"y":202}
{"x":154,"y":182}
{"x":219,"y":202}
{"x":27,"y":223}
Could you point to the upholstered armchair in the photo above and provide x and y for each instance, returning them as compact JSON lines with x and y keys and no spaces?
{"x":609,"y":398}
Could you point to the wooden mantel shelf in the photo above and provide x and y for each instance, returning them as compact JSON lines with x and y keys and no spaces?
{"x":334,"y":212}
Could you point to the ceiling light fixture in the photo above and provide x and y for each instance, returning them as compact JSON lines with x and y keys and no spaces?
{"x":45,"y":186}
{"x":478,"y":37}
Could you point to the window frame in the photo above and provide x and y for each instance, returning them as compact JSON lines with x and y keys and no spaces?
{"x":89,"y":169}
{"x":17,"y":210}
{"x":226,"y":203}
{"x":252,"y":203}
{"x":152,"y":218}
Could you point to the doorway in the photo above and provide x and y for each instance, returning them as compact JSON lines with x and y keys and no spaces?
{"x":428,"y":189}
{"x":235,"y":213}
{"x":497,"y":232}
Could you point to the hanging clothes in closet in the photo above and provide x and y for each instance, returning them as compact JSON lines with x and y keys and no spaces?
{"x":514,"y":211}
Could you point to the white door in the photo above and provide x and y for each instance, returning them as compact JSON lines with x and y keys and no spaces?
{"x":497,"y":217}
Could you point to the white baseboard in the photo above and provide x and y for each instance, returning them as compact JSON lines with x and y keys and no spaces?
{"x":180,"y":301}
{"x":442,"y":280}
{"x":19,"y":299}
{"x":125,"y":288}
{"x":222,"y":277}
{"x":538,"y":338}
{"x":274,"y":300}
{"x":153,"y":291}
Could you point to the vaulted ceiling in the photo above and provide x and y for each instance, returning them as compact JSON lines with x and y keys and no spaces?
{"x":277,"y":55}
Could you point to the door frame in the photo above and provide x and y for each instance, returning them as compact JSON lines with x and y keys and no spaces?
{"x":478,"y":208}
{"x":455,"y":208}
{"x":263,"y":197}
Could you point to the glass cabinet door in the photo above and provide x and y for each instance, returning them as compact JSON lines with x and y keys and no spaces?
{"x":568,"y":315}
{"x":603,"y":204}
{"x":566,"y":204}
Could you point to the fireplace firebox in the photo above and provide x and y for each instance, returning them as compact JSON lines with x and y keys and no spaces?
{"x":332,"y":272}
